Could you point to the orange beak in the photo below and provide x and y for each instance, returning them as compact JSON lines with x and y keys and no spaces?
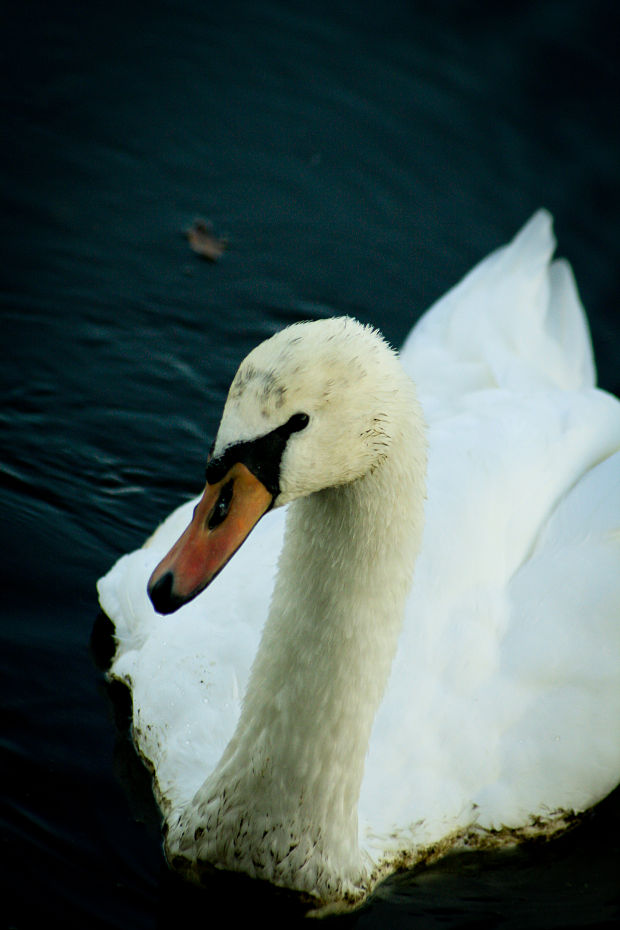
{"x":223,"y":518}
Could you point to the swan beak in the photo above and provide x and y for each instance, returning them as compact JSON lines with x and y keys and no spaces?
{"x":223,"y":518}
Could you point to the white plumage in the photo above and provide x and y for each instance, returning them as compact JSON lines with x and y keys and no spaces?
{"x":501,"y":707}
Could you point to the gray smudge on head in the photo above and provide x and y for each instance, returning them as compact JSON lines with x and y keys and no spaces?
{"x":266,"y":385}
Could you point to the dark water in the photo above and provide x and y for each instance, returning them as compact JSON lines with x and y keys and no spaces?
{"x":360,"y":158}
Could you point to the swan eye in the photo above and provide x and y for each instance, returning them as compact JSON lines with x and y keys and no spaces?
{"x":298,"y":422}
{"x":221,"y":506}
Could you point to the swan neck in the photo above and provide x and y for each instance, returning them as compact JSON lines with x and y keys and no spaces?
{"x":331,"y":635}
{"x":282,"y":802}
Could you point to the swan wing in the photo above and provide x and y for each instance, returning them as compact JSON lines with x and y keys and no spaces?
{"x":504,"y":699}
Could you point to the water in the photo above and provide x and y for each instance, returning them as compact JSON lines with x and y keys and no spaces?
{"x":359,"y":159}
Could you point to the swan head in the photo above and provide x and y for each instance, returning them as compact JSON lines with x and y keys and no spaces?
{"x":310,"y":408}
{"x":321,"y":391}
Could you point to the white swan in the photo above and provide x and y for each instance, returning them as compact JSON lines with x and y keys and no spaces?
{"x":363,"y":739}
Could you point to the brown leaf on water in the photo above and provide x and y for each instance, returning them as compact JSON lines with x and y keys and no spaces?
{"x":204,"y":242}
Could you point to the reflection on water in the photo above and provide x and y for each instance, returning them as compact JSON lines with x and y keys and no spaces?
{"x":358,"y":161}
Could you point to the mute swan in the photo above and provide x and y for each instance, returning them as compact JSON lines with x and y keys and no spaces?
{"x":373,"y":717}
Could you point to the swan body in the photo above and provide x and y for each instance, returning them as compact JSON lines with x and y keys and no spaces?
{"x":436,"y":651}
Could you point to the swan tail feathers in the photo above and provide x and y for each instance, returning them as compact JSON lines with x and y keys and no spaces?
{"x":514,"y":322}
{"x":567,"y":325}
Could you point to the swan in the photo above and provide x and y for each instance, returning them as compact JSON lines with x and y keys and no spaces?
{"x":423,"y":647}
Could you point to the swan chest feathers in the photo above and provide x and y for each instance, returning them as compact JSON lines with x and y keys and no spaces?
{"x":409,"y":651}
